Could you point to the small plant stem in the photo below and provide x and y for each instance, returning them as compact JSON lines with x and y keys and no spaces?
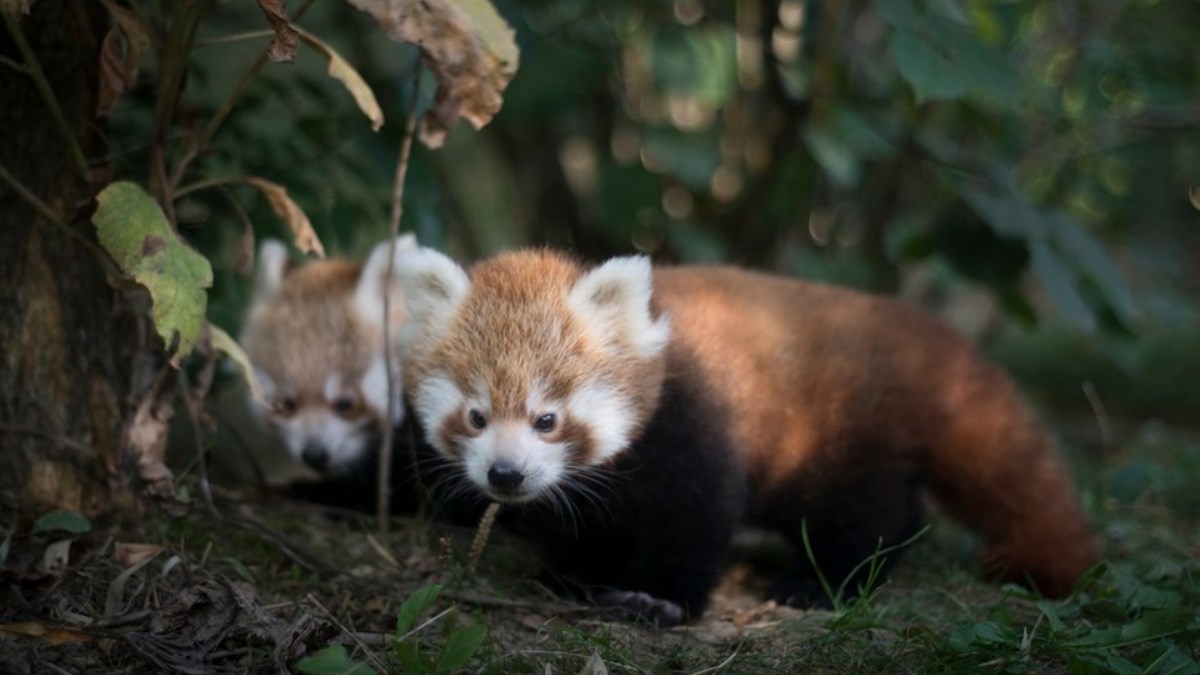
{"x":43,"y":209}
{"x":20,"y":68}
{"x":192,"y":149}
{"x":236,"y":37}
{"x":352,"y":635}
{"x":25,"y":193}
{"x":34,"y":69}
{"x":481,"y":537}
{"x":202,"y":185}
{"x":382,"y":507}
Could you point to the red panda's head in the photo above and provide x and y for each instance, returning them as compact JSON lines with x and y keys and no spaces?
{"x":314,"y":334}
{"x":532,"y":370}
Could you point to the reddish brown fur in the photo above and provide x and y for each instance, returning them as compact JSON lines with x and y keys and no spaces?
{"x":309,"y":330}
{"x":540,"y":329}
{"x":802,"y":365}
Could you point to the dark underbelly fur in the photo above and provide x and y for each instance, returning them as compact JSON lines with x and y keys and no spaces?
{"x":659,"y":524}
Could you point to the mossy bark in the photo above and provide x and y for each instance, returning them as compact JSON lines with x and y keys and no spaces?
{"x":63,"y":351}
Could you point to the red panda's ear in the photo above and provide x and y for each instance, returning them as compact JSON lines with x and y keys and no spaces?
{"x":613,"y":301}
{"x":434,"y":286}
{"x":372,"y":283}
{"x":272,"y":265}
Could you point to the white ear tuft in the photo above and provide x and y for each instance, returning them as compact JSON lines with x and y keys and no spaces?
{"x":434,"y":286}
{"x":272,"y":263}
{"x":613,"y":300}
{"x":368,"y":294}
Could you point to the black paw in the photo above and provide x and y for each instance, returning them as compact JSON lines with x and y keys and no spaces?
{"x":662,"y":613}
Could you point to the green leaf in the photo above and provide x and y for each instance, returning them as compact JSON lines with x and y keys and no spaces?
{"x":1093,"y":259}
{"x":411,"y":661}
{"x":332,"y":660}
{"x":1151,"y":626}
{"x":461,"y":645}
{"x":927,"y":70}
{"x":62,"y":521}
{"x":899,"y":13}
{"x":417,"y":602}
{"x":1059,"y":281}
{"x":134,"y":231}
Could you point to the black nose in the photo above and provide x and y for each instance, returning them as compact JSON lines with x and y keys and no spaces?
{"x":315,"y":456}
{"x":505,"y":476}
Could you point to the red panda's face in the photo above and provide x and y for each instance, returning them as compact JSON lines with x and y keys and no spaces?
{"x":532,"y":373}
{"x":315,"y":337}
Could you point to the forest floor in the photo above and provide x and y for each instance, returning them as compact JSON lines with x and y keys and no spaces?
{"x":276,"y":586}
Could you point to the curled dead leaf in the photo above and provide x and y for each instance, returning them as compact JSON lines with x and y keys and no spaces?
{"x":283,"y":47}
{"x":283,"y":205}
{"x":120,"y":56}
{"x":127,"y":554}
{"x":469,"y":47}
{"x":343,"y":72}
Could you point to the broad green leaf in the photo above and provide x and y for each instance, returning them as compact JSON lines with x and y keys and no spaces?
{"x":986,"y":72}
{"x":62,"y":521}
{"x":927,"y":70}
{"x":899,"y":13}
{"x":461,"y":645}
{"x":1061,"y":285}
{"x":343,"y":72}
{"x":230,"y":347}
{"x":1092,"y":258}
{"x":134,"y":231}
{"x":418,"y":601}
{"x":332,"y":660}
{"x":1009,"y":217}
{"x":1151,"y":626}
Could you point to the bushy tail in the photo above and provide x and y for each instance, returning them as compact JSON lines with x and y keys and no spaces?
{"x":996,"y":468}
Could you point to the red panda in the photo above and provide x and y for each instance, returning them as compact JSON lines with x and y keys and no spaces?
{"x":314,"y":334}
{"x":637,"y":415}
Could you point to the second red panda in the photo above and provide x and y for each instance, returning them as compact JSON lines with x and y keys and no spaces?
{"x":643,"y":413}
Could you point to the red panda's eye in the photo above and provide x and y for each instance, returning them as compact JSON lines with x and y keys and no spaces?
{"x":345,"y":406}
{"x":545,"y":423}
{"x":477,"y":419}
{"x":285,"y":406}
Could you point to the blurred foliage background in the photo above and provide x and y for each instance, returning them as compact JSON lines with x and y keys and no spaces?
{"x":1028,"y":168}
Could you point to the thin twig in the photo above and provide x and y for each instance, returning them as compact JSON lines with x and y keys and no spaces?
{"x":353,"y":635}
{"x":720,"y":665}
{"x":19,"y":67}
{"x":50,"y":436}
{"x":1102,"y":421}
{"x":193,"y":403}
{"x":236,"y":37}
{"x":383,"y":506}
{"x":47,"y":94}
{"x":191,"y":150}
{"x":25,"y":193}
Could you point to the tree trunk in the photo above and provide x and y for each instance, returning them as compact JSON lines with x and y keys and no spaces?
{"x":64,"y":354}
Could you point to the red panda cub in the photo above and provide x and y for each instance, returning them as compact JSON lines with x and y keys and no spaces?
{"x":314,"y":334}
{"x":640,"y":414}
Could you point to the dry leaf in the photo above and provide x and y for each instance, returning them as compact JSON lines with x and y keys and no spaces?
{"x":146,"y":434}
{"x":594,"y":666}
{"x":52,"y":636}
{"x":343,"y":72}
{"x":120,"y":56}
{"x":132,"y":554}
{"x":226,"y":344}
{"x":244,"y":263}
{"x":283,"y":47}
{"x":114,"y":599}
{"x":302,"y":229}
{"x":468,"y":46}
